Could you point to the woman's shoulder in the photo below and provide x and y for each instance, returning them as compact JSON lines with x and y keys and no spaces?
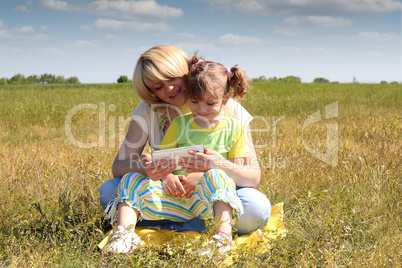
{"x":230,"y":107}
{"x":146,"y":108}
{"x":232,"y":121}
{"x":141,"y":108}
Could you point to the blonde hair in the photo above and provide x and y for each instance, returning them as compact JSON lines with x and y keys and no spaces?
{"x":209,"y":77}
{"x":159,"y":63}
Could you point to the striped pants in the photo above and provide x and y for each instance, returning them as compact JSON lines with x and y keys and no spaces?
{"x":150,"y":199}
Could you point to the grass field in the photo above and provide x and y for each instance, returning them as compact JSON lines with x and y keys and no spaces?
{"x":341,"y":213}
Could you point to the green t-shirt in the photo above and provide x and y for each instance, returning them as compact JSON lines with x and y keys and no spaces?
{"x":228,"y":138}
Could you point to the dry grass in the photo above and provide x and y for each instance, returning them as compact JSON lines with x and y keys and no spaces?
{"x":343,"y":215}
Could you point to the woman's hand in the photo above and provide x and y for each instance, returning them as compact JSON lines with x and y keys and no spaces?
{"x":156,"y":170}
{"x":172,"y":184}
{"x":204,"y":161}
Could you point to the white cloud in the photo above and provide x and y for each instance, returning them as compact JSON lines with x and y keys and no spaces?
{"x":43,"y":28}
{"x":122,"y":10}
{"x":317,"y":21}
{"x":60,"y":6}
{"x":188,"y":36}
{"x":23,"y":30}
{"x":133,"y":26}
{"x":371,"y":40}
{"x":27,"y":33}
{"x":232,"y":39}
{"x":113,"y":37}
{"x":371,"y":6}
{"x":86,"y":27}
{"x":290,"y":31}
{"x":83,"y":44}
{"x":297,"y":26}
{"x":306,"y":7}
{"x":204,"y":48}
{"x":52,"y":51}
{"x":132,"y":10}
{"x":122,"y":15}
{"x":23,"y":9}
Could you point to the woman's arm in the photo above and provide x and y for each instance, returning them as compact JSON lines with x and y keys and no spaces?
{"x":246,"y":171}
{"x":250,"y":173}
{"x":130,"y":157}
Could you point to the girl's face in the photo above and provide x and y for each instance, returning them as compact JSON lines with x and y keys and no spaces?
{"x":208,"y":109}
{"x":171,"y":91}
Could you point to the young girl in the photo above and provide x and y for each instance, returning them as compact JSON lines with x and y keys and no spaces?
{"x":209,"y":195}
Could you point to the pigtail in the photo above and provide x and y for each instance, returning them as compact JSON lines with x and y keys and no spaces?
{"x":194,"y":61}
{"x":210,"y":77}
{"x":239,"y":82}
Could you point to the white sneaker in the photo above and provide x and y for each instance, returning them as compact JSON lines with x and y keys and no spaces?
{"x":220,"y":244}
{"x":122,"y":241}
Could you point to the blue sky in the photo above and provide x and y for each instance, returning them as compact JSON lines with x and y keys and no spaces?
{"x":99,"y":40}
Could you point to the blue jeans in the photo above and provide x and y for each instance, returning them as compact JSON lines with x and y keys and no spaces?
{"x":257,"y":210}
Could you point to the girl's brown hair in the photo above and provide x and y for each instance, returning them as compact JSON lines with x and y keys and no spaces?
{"x":215,"y":79}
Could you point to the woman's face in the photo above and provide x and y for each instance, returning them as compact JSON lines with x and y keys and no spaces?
{"x":171,"y":91}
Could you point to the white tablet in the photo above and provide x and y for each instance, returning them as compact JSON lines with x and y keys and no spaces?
{"x":176,"y":153}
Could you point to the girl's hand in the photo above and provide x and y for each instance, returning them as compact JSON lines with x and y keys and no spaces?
{"x":173,"y":186}
{"x":191,"y":182}
{"x":204,"y":161}
{"x":156,"y":170}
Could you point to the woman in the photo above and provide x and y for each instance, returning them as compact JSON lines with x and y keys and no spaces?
{"x":160,"y":80}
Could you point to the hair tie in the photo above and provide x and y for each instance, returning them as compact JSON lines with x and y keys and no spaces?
{"x":228,"y":72}
{"x":199,"y":61}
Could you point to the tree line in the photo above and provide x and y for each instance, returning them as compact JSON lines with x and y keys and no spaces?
{"x":295,"y":80}
{"x":39,"y":79}
{"x":59,"y":79}
{"x":288,"y":80}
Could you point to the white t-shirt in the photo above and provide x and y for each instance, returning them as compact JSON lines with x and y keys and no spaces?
{"x":155,"y":122}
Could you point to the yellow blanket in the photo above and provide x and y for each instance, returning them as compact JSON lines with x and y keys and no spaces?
{"x":259,"y":240}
